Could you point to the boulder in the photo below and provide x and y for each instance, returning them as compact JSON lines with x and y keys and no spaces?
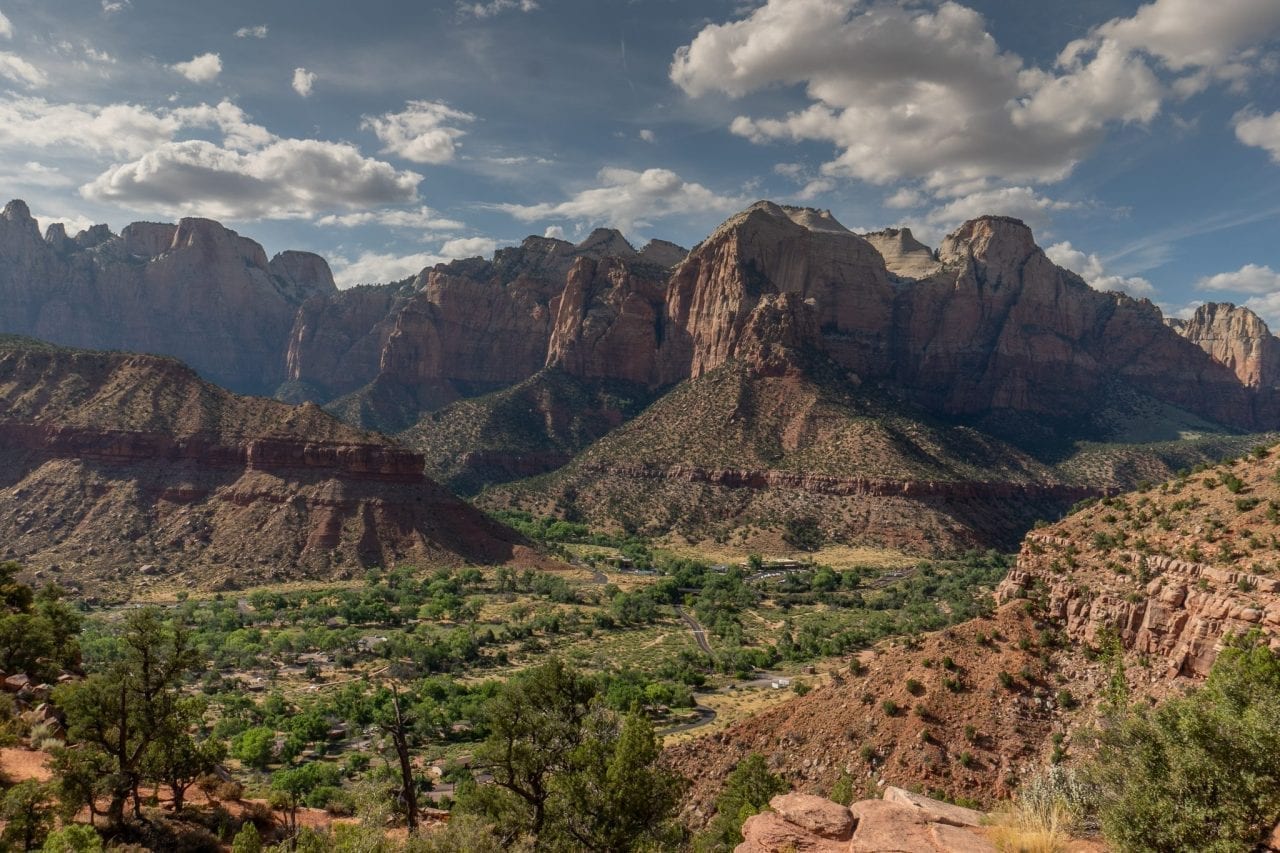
{"x":17,"y":683}
{"x":935,"y":811}
{"x":817,"y":815}
{"x":769,"y":832}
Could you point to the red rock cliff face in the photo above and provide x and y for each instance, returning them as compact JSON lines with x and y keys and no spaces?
{"x":594,"y":309}
{"x":770,"y":249}
{"x":196,"y":291}
{"x":337,"y":339}
{"x":995,"y":326}
{"x":1236,"y":338}
{"x":1001,"y":327}
{"x":1181,"y":616}
{"x":111,"y":461}
{"x":609,"y":322}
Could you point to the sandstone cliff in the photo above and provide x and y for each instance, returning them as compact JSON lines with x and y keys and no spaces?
{"x":1237,"y":338}
{"x":194,"y":290}
{"x":112,"y":462}
{"x":471,"y":327}
{"x":1170,"y":571}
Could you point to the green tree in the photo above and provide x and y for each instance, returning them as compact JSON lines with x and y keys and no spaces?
{"x":616,"y":798}
{"x":536,"y":724}
{"x":291,"y":785}
{"x":28,"y":814}
{"x":247,"y":840}
{"x":121,"y":710}
{"x":254,"y":747}
{"x":82,"y":775}
{"x":176,"y":758}
{"x":1201,"y":772}
{"x":747,"y":791}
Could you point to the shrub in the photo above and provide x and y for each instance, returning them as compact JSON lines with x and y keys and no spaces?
{"x":842,"y":790}
{"x":73,"y":838}
{"x":889,"y":707}
{"x":1198,"y":772}
{"x":247,"y":840}
{"x":966,"y":759}
{"x":1049,"y":807}
{"x":1006,"y":680}
{"x":914,"y":687}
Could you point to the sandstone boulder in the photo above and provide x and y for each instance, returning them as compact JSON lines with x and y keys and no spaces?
{"x":935,"y":811}
{"x":820,"y":816}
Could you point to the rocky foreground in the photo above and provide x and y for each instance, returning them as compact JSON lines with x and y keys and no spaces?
{"x":900,"y":821}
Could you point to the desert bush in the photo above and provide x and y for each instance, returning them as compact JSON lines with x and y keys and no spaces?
{"x":1198,"y":772}
{"x":1049,"y":807}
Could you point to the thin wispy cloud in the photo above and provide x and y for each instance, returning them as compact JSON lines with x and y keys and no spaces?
{"x":496,"y":7}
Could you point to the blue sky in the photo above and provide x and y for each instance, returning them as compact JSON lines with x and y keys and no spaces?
{"x":1141,"y":141}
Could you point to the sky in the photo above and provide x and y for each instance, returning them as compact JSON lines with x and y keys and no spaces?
{"x":1141,"y":141}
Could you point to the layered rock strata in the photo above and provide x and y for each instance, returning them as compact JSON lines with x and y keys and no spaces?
{"x":109,"y":462}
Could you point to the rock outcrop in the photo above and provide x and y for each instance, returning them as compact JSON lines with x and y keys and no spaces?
{"x":195,"y":290}
{"x":609,"y":322}
{"x":1172,"y":572}
{"x":768,"y":249}
{"x":901,"y":821}
{"x":1237,"y":338}
{"x":112,"y":461}
{"x":904,"y":255}
{"x":474,"y":326}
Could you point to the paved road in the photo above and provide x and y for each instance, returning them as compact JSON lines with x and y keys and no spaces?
{"x":708,"y":716}
{"x":699,"y":633}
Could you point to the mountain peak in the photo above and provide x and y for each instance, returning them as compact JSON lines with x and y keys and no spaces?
{"x":606,"y":242}
{"x":17,"y":211}
{"x":904,"y":255}
{"x":989,"y":240}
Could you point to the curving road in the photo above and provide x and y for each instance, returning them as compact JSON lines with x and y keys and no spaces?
{"x":699,"y":633}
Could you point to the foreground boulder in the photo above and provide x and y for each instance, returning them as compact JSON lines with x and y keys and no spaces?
{"x":902,"y":822}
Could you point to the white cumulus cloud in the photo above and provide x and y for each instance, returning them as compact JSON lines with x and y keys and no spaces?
{"x":423,"y":132}
{"x":1250,"y":278}
{"x":288,"y":178}
{"x":922,"y":92}
{"x":1260,"y":131}
{"x":469,"y":247}
{"x":258,"y":32}
{"x":6,"y":27}
{"x":380,"y":267}
{"x":204,"y":68}
{"x":625,"y":198}
{"x":1019,"y":202}
{"x":1090,"y":268}
{"x":1194,"y":34}
{"x":303,"y":81}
